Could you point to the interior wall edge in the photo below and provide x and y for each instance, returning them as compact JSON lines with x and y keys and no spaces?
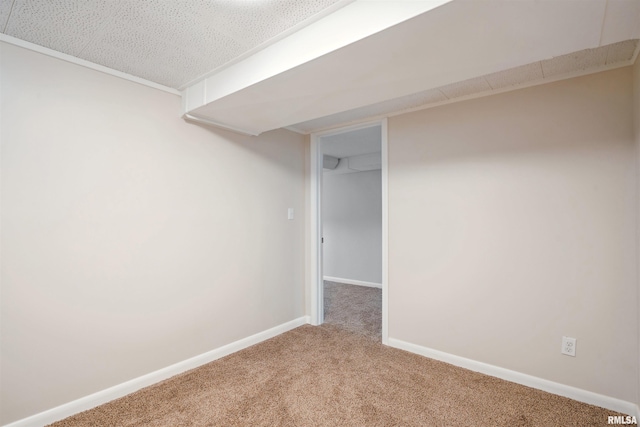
{"x":636,"y":125}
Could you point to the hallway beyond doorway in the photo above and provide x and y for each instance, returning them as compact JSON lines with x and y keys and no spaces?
{"x":354,"y":308}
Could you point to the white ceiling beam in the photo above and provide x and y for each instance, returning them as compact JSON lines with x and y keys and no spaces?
{"x":351,"y":23}
{"x":323,"y":70}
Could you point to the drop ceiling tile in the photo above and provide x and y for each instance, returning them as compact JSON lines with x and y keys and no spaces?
{"x":169,"y":71}
{"x":216,"y":31}
{"x":623,"y":51}
{"x":127,"y":62}
{"x":466,"y":87}
{"x":135,"y":52}
{"x":159,"y":19}
{"x":247,"y":23}
{"x":5,"y":10}
{"x":415,"y":100}
{"x":294,"y":11}
{"x":132,"y":51}
{"x":252,"y":23}
{"x":573,"y":62}
{"x":212,"y":46}
{"x":178,"y":40}
{"x":126,"y":41}
{"x":181,"y":26}
{"x":62,"y":25}
{"x":173,"y":65}
{"x":515,"y":76}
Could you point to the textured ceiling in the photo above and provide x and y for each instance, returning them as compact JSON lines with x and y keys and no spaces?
{"x":170,"y":42}
{"x":584,"y":61}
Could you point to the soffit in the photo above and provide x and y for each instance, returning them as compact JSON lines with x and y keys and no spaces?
{"x":247,"y":65}
{"x":565,"y":66}
{"x":458,"y":50}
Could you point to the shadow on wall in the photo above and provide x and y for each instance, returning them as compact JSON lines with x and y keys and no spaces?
{"x":268,"y":145}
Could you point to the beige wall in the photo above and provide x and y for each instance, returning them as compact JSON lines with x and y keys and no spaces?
{"x":512,"y":222}
{"x":130,"y":239}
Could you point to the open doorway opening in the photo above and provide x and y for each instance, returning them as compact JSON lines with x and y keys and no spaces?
{"x":349,"y":210}
{"x":352,"y":230}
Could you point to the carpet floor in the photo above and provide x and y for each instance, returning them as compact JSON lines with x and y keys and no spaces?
{"x":354,"y":308}
{"x":335,"y":375}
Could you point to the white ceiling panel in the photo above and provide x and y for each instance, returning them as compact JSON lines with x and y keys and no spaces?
{"x":251,"y":23}
{"x":465,"y":87}
{"x":291,"y":12}
{"x":129,"y":63}
{"x":448,"y":47}
{"x":622,"y":51}
{"x":582,"y":60}
{"x":247,"y":23}
{"x":406,"y":102}
{"x":170,"y":42}
{"x":123,"y":41}
{"x":155,"y":58}
{"x":5,"y":10}
{"x":515,"y":76}
{"x":329,"y":121}
{"x":181,"y":26}
{"x":62,"y":25}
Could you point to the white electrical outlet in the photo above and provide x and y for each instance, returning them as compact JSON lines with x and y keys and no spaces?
{"x":569,"y":346}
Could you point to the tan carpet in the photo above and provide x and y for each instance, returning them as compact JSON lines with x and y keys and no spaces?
{"x":328,"y":376}
{"x":354,"y":308}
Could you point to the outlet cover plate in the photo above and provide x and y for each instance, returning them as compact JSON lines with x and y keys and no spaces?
{"x":568,"y":346}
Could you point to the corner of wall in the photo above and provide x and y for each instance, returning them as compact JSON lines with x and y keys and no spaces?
{"x":636,"y":129}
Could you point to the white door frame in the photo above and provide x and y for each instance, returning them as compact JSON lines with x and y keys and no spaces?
{"x":315,"y":221}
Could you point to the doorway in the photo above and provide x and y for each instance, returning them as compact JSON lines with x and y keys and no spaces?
{"x":354,"y":257}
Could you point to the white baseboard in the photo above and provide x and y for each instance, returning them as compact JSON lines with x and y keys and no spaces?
{"x":353,"y":282}
{"x":574,"y":393}
{"x":91,"y":401}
